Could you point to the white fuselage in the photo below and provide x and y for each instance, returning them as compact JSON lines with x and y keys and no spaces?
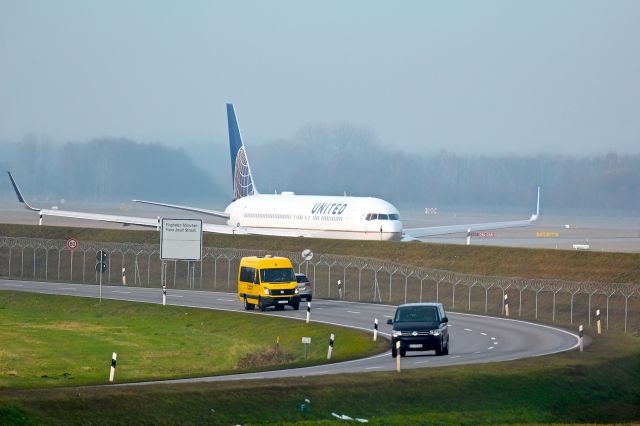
{"x":318,"y":216}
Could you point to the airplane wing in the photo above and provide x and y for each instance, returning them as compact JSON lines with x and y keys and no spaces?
{"x":215,"y":213}
{"x":411,"y":234}
{"x":155,"y":222}
{"x":126,"y":220}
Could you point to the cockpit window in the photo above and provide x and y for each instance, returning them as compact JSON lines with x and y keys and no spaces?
{"x":382,"y":216}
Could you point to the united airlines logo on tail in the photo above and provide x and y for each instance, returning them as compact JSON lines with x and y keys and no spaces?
{"x":242,"y":181}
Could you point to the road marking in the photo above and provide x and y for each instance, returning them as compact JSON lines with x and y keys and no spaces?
{"x":14,"y":285}
{"x":468,"y":329}
{"x":225,"y":300}
{"x":120,"y":291}
{"x":421,"y":362}
{"x":457,"y":356}
{"x":173,"y":295}
{"x":352,"y":312}
{"x":479,"y":352}
{"x":491,"y":347}
{"x":493,"y":338}
{"x":67,"y":288}
{"x":388,"y":316}
{"x":484,"y":334}
{"x":372,"y":368}
{"x":495,"y":343}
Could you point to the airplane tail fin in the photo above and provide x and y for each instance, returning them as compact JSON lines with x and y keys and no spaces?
{"x":240,"y":169}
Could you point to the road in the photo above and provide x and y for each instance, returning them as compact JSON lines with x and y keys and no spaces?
{"x":473,"y":338}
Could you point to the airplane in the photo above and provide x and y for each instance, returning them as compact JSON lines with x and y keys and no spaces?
{"x":288,"y":214}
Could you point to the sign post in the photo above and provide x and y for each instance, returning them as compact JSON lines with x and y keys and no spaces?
{"x":101,"y":266}
{"x":305,"y":342}
{"x":180,"y":239}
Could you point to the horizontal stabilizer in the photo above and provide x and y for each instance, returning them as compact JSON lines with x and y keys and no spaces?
{"x":215,"y":213}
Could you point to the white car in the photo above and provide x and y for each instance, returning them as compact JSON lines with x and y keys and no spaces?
{"x":304,"y":287}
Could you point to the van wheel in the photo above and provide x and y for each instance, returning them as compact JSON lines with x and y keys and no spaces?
{"x":260,"y":304}
{"x":439,"y":351}
{"x":446,"y":348}
{"x":248,"y":306}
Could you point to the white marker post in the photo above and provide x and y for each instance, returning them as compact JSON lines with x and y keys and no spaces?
{"x":598,"y":321}
{"x":375,"y":330}
{"x":339,"y":289}
{"x":331,"y":339}
{"x":580,"y":333}
{"x":468,"y":236}
{"x":398,"y":356}
{"x":113,"y":367}
{"x":164,"y":295}
{"x":124,"y":277}
{"x":308,"y":311}
{"x":506,"y":304}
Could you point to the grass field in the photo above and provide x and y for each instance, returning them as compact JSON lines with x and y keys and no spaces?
{"x":494,"y":261}
{"x":600,"y":385}
{"x":61,"y":341}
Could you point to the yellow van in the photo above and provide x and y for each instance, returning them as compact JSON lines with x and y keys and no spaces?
{"x":267,"y":281}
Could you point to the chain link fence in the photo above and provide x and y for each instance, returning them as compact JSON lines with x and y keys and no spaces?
{"x":362,"y":279}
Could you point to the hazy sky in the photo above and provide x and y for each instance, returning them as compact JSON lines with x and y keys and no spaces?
{"x":468,"y":76}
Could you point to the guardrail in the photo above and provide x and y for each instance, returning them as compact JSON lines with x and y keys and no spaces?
{"x":362,"y":279}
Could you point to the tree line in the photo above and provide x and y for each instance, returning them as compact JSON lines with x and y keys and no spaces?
{"x":325,"y":159}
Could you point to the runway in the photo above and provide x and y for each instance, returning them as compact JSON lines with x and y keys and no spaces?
{"x":474,"y":339}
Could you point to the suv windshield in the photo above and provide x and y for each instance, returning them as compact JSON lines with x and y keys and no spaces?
{"x":276,"y":275}
{"x":301,"y":278}
{"x":417,"y":314}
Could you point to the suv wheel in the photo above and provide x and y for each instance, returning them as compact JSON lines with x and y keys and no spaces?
{"x":440,"y":350}
{"x":446,"y":348}
{"x":394,"y":351}
{"x":403,"y":352}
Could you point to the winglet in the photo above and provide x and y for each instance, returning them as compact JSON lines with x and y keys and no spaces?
{"x":19,"y":195}
{"x":534,"y":217}
{"x":240,"y":169}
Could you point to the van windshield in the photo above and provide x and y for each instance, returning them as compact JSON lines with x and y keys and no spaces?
{"x":417,"y":314}
{"x":277,"y":275}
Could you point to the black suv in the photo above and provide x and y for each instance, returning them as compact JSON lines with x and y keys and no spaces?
{"x":420,"y":327}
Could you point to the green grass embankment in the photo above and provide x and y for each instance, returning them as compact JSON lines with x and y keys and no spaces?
{"x":63,"y":341}
{"x":599,"y":385}
{"x":490,"y":261}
